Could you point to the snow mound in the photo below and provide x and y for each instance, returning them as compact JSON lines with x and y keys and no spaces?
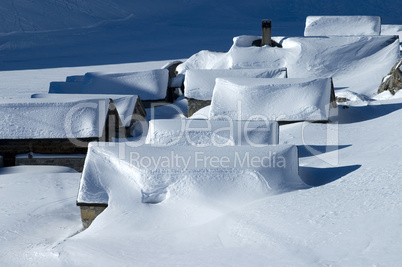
{"x":148,"y":85}
{"x":70,"y":87}
{"x":342,"y":25}
{"x":348,"y":60}
{"x":51,"y":118}
{"x":271,"y":99}
{"x":156,"y":170}
{"x":124,"y":104}
{"x":199,"y":84}
{"x":212,"y":133}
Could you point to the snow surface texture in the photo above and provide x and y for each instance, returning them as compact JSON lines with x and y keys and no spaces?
{"x":49,"y":33}
{"x":392,"y":30}
{"x":50,"y":118}
{"x":271,"y":99}
{"x":199,"y":84}
{"x":350,"y":218}
{"x":342,"y":25}
{"x":148,"y":85}
{"x":212,"y":133}
{"x":348,"y":60}
{"x":156,"y":169}
{"x":125,"y":104}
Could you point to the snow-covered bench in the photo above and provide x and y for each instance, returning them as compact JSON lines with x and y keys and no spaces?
{"x":129,"y":107}
{"x":220,"y":133}
{"x":158,"y":173}
{"x":199,"y":83}
{"x":54,"y":126}
{"x":282,"y":100}
{"x":342,"y":25}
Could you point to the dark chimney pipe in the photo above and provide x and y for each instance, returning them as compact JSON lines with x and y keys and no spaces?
{"x":266,"y":32}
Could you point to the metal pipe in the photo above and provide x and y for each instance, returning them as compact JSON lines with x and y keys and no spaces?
{"x":266,"y":32}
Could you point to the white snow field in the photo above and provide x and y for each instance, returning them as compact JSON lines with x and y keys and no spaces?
{"x":349,"y":215}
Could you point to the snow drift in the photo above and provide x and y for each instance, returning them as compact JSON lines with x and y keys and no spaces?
{"x":212,"y":132}
{"x":155,"y":170}
{"x":342,"y":25}
{"x":348,"y":60}
{"x":125,"y":104}
{"x":51,"y":118}
{"x":199,"y":83}
{"x":271,"y":99}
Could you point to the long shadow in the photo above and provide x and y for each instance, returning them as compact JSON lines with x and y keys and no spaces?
{"x":313,"y":150}
{"x":320,"y":176}
{"x":365,"y":113}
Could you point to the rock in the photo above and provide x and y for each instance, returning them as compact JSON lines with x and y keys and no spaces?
{"x":393,"y":81}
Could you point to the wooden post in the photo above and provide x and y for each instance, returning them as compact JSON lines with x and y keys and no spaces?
{"x":266,"y":32}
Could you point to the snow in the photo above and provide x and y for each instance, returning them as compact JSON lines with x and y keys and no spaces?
{"x":148,"y":85}
{"x":348,"y":60}
{"x":125,"y":104}
{"x":349,"y":217}
{"x":271,"y":99}
{"x":52,"y":118}
{"x":202,"y":132}
{"x":392,"y":30}
{"x":342,"y":25}
{"x":155,"y":169}
{"x":199,"y":84}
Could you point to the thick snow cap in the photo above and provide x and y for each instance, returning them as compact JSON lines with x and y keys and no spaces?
{"x":148,"y":85}
{"x":199,"y":83}
{"x":65,"y":88}
{"x":271,"y":99}
{"x":125,"y":104}
{"x":212,"y":133}
{"x":342,"y":25}
{"x":51,"y":118}
{"x":347,"y":60}
{"x":160,"y":172}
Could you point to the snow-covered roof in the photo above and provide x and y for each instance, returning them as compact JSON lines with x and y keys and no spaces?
{"x":271,"y":99}
{"x":148,"y":85}
{"x":51,"y":118}
{"x":125,"y":104}
{"x":65,"y":87}
{"x":368,"y":58}
{"x":342,"y":25}
{"x":199,"y":83}
{"x":211,"y":132}
{"x":158,"y":170}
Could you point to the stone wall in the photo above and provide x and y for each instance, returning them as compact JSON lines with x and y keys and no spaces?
{"x":76,"y":163}
{"x":90,"y":212}
{"x":195,"y":104}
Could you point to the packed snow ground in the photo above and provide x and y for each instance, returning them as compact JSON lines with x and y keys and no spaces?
{"x":351,"y":216}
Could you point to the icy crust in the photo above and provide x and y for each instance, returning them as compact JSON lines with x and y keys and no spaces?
{"x":50,"y":118}
{"x":125,"y":104}
{"x":199,"y":84}
{"x":162,"y":172}
{"x":342,"y":25}
{"x":148,"y":85}
{"x":271,"y":99}
{"x":212,"y":132}
{"x":368,"y":58}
